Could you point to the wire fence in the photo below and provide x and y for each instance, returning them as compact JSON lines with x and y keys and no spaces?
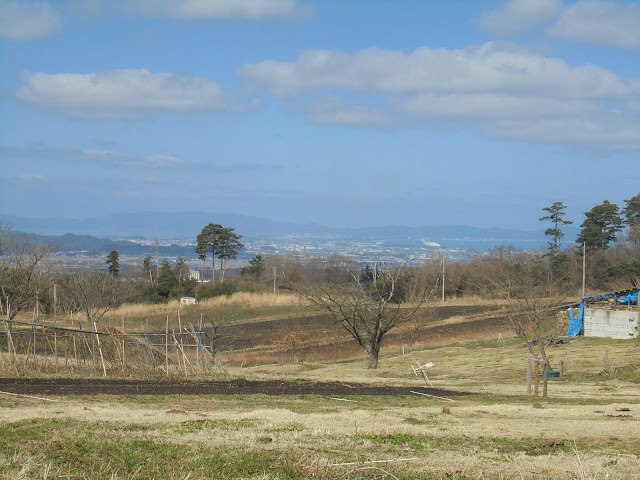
{"x":107,"y":351}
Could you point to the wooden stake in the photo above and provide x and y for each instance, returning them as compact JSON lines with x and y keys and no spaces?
{"x":166,"y":347}
{"x":184,"y":357}
{"x":75,"y":350}
{"x":123,"y":335}
{"x":55,"y":341}
{"x":34,"y":339}
{"x":95,"y":332}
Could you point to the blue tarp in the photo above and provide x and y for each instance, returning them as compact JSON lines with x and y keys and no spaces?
{"x":575,"y":325}
{"x":631,"y":299}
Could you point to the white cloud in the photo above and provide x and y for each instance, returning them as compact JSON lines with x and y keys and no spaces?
{"x":121,"y":93}
{"x":31,"y":177}
{"x":468,"y":106}
{"x":530,"y":118}
{"x":484,"y":69}
{"x":336,"y":111}
{"x":600,"y":23}
{"x":109,"y":158}
{"x":254,"y":10}
{"x":24,"y":22}
{"x":508,"y":93}
{"x":606,"y":131}
{"x":127,"y":160}
{"x":519,"y":15}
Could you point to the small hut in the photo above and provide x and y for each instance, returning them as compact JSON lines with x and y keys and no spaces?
{"x":612,"y":315}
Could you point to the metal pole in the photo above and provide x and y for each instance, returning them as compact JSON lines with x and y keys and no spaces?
{"x":274,"y":279}
{"x":584,"y":269}
{"x":443,"y":278}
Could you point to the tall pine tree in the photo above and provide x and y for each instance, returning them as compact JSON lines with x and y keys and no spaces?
{"x":556,"y":212}
{"x":600,"y":226}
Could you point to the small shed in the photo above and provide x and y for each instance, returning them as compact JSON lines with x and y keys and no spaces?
{"x":188,"y":300}
{"x":612,"y":315}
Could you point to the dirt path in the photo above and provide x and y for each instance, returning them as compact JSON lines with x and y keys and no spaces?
{"x":66,"y":386}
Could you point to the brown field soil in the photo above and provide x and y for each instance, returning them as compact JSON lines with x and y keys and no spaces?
{"x":443,"y":323}
{"x":66,"y":386}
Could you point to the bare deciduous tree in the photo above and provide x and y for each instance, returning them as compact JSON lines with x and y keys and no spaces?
{"x":367,"y":309}
{"x":91,"y":292}
{"x":524,"y":281}
{"x":24,"y":279}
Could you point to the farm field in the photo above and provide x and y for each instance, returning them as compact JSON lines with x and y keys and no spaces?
{"x":312,"y":415}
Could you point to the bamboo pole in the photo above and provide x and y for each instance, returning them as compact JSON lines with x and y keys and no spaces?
{"x":66,"y":351}
{"x":75,"y":350}
{"x":104,"y":369}
{"x":166,"y":347}
{"x":55,"y":342}
{"x":10,"y":345}
{"x":34,"y":339}
{"x":93,"y":345}
{"x":173,"y":334}
{"x":123,"y":337}
{"x":86,"y":342}
{"x":184,"y":357}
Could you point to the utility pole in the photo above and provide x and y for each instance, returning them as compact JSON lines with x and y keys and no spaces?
{"x":443,"y":278}
{"x":157,"y":261}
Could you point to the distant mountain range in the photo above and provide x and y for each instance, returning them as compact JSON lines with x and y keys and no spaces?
{"x":98,"y":235}
{"x":152,"y":224}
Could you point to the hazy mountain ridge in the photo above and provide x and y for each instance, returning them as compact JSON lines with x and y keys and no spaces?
{"x":189,"y":224}
{"x":135,"y":235}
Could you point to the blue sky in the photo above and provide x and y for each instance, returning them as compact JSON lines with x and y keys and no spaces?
{"x":343,"y":113}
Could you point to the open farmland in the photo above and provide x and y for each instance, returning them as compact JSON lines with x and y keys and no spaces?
{"x":307,"y":414}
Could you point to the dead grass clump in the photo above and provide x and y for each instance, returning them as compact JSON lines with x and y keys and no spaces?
{"x":255,"y":300}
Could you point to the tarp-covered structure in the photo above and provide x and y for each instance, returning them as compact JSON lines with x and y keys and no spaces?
{"x":627,"y":298}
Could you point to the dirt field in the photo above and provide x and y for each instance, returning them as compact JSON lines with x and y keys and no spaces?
{"x":320,"y":338}
{"x":442,"y":323}
{"x":66,"y":386}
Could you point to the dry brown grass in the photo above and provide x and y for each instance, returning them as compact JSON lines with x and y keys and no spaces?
{"x":474,"y":440}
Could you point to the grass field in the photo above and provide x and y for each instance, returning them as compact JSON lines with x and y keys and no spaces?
{"x":588,"y":427}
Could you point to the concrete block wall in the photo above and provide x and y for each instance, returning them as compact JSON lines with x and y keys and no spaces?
{"x":619,"y":323}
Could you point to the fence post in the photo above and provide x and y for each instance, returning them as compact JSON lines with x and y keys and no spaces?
{"x":34,"y":341}
{"x":93,"y":346}
{"x":166,"y":347}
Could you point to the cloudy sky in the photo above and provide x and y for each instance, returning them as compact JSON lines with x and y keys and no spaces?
{"x":344,"y":113}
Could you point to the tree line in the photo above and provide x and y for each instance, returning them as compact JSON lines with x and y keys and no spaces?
{"x":367,"y":300}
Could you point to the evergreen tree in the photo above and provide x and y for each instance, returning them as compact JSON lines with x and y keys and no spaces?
{"x":113,"y":262}
{"x":181,"y":269}
{"x":146,"y":266}
{"x":167,"y":280}
{"x":256,"y":267}
{"x":208,"y":240}
{"x":632,"y":218}
{"x":556,"y":212}
{"x":228,"y":247}
{"x":600,"y":226}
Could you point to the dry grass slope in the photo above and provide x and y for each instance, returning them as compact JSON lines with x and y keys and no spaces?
{"x":587,"y":428}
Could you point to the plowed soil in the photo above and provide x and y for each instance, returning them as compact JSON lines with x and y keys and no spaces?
{"x":65,"y":386}
{"x":442,"y":324}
